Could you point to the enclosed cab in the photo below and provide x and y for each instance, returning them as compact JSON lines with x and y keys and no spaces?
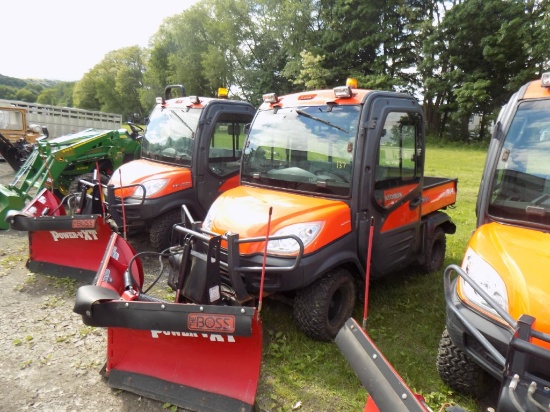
{"x":190,"y":154}
{"x":322,"y":170}
{"x":17,"y":137}
{"x":502,"y":293}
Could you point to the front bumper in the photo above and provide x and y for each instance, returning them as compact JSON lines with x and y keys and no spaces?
{"x":507,"y":351}
{"x":138,"y":213}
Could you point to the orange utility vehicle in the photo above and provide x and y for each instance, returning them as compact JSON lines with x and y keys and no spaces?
{"x":333,"y":166}
{"x":498,"y":318}
{"x":190,"y":153}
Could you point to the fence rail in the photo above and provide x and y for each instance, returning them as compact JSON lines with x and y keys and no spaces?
{"x":61,"y":121}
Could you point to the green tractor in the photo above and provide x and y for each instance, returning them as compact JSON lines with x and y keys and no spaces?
{"x":58,"y":164}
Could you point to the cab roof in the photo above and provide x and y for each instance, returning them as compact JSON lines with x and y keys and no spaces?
{"x":194,"y":102}
{"x":316,"y":98}
{"x":538,"y":89}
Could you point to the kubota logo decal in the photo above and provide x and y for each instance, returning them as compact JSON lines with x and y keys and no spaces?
{"x":201,"y":322}
{"x":393,"y":196}
{"x":447,"y":193}
{"x":79,"y":234}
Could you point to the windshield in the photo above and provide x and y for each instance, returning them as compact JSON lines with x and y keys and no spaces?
{"x":11,"y":120}
{"x":307,"y":149}
{"x":170,"y":135}
{"x":521,"y":185}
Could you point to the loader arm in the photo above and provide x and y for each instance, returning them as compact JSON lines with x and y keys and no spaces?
{"x":54,"y":164}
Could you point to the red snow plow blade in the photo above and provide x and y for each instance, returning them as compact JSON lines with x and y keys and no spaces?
{"x":387,"y":390}
{"x":202,"y":357}
{"x":61,"y":244}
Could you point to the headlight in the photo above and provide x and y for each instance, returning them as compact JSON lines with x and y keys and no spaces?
{"x":207,"y":222}
{"x":151,"y":187}
{"x":307,"y":232}
{"x":486,"y":277}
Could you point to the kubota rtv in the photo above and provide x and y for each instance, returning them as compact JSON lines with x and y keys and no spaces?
{"x":329,"y":163}
{"x":498,"y":317}
{"x":190,"y":153}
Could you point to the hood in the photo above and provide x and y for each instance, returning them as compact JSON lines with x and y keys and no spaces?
{"x":521,"y":257}
{"x":142,"y":171}
{"x":245,"y":210}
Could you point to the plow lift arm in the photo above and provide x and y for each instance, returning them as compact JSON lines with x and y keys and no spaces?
{"x":522,"y":386}
{"x":179,"y":351}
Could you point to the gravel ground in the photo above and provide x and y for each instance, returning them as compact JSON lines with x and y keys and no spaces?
{"x":50,"y":360}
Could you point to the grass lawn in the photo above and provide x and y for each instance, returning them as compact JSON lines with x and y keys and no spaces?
{"x":406,"y":318}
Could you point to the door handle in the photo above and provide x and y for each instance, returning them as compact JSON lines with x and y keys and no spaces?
{"x":414,"y":203}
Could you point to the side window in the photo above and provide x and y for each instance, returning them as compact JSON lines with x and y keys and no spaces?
{"x":224,"y":153}
{"x":398,"y":165}
{"x":11,"y":120}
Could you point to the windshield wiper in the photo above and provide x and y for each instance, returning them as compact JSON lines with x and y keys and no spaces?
{"x":310,"y":116}
{"x":186,"y":125}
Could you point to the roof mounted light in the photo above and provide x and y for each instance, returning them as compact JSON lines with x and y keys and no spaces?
{"x":270,"y":98}
{"x":223,"y":93}
{"x":351,"y":83}
{"x":545,"y":79}
{"x":194,"y":99}
{"x":342,"y":92}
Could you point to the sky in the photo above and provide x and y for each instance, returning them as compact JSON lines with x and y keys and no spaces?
{"x":64,"y":39}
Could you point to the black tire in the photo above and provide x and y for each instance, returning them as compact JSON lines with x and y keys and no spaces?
{"x":160,"y":232}
{"x":436,"y":247}
{"x":458,"y":370}
{"x":322,"y":308}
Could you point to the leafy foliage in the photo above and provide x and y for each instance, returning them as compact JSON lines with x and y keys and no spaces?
{"x":460,"y":57}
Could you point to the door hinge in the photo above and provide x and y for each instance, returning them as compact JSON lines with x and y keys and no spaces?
{"x":370,"y":124}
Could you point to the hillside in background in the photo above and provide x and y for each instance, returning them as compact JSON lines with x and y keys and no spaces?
{"x":43,"y":91}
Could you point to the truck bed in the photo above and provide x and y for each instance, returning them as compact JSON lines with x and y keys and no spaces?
{"x":438,"y":193}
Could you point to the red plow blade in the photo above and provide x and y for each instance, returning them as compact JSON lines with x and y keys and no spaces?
{"x":59,"y":244}
{"x":388,"y":391}
{"x":200,"y":357}
{"x":198,"y":371}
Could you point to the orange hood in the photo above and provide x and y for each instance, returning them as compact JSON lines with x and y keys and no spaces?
{"x":245,"y":210}
{"x":142,"y":170}
{"x":521,"y":257}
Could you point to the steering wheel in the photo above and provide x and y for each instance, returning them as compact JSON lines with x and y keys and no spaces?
{"x":185,"y":152}
{"x":136,"y":129}
{"x":330,"y":172}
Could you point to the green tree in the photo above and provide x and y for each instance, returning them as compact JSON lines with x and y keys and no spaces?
{"x":114,"y":84}
{"x":480,"y":55}
{"x":25,"y":95}
{"x":312,"y":75}
{"x":84,"y":92}
{"x":7,"y":92}
{"x":59,"y":95}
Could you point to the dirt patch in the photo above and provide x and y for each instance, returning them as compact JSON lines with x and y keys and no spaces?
{"x":50,"y":360}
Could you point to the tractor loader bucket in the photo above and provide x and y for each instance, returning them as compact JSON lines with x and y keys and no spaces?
{"x":61,"y":244}
{"x":9,"y":200}
{"x":202,"y":357}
